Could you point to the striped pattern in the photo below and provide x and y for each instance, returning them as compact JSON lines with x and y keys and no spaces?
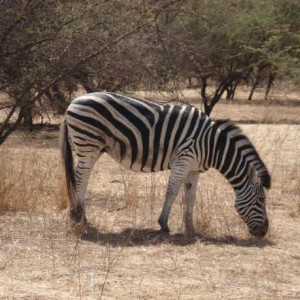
{"x":149,"y":137}
{"x":141,"y":134}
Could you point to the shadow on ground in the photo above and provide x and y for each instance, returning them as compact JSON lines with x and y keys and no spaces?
{"x":131,"y":237}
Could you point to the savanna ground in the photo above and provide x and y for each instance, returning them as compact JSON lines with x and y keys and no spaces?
{"x":40,"y":258}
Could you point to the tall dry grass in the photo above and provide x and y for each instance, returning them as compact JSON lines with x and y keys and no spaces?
{"x":135,"y":200}
{"x":31,"y":179}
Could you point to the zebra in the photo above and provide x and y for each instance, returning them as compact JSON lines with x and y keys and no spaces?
{"x":146,"y":136}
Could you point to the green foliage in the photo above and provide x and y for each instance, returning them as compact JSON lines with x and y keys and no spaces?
{"x":235,"y":41}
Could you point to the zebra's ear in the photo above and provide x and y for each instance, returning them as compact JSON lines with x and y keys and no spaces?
{"x":253,"y":175}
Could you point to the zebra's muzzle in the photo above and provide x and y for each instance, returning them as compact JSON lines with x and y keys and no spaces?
{"x":260,"y":231}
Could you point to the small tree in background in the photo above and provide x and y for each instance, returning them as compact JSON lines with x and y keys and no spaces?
{"x":228,"y":43}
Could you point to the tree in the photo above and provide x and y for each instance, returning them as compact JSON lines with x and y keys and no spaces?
{"x":49,"y":47}
{"x":226,"y":43}
{"x":266,"y":35}
{"x":198,"y":46}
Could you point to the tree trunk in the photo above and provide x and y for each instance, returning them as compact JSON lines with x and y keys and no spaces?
{"x":28,"y":117}
{"x":208,"y":106}
{"x":255,"y":85}
{"x":271,"y":78}
{"x":6,"y":129}
{"x":234,"y":89}
{"x":204,"y":98}
{"x":231,"y":90}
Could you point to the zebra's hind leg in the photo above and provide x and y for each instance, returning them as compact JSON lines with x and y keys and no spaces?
{"x":179,"y":171}
{"x":190,"y":188}
{"x":82,"y":174}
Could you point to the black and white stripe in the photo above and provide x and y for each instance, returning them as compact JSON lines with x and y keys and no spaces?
{"x":149,"y":137}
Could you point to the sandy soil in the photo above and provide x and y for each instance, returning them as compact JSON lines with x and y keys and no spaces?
{"x":121,"y":258}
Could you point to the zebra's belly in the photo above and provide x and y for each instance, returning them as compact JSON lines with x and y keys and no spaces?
{"x":160,"y":163}
{"x":148,"y":164}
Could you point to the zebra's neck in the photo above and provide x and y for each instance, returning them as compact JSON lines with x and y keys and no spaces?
{"x":230,"y":153}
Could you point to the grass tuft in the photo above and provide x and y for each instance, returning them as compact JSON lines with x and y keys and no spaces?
{"x":31,"y":179}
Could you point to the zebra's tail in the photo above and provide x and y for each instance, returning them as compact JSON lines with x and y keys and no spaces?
{"x":68,"y":164}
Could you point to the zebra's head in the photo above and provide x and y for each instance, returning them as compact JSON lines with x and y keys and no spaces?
{"x":251,"y":205}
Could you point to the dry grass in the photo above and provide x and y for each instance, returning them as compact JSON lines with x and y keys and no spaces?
{"x":26,"y":181}
{"x":121,"y":258}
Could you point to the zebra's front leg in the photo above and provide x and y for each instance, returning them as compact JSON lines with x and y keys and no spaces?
{"x":179,"y":170}
{"x":190,"y":188}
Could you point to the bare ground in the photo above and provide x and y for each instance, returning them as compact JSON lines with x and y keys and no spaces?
{"x":122,"y":257}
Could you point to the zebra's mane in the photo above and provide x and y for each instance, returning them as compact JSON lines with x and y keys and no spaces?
{"x":233,"y":130}
{"x":226,"y":125}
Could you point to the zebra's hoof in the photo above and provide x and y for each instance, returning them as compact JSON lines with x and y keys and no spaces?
{"x":79,"y":228}
{"x":77,"y":214}
{"x":164,"y":230}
